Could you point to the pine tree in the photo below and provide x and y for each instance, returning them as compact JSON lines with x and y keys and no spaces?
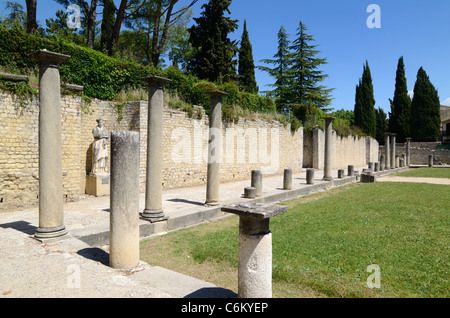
{"x":280,"y":72}
{"x":365,"y":104}
{"x":425,"y":110}
{"x":399,"y":117}
{"x":306,"y":92}
{"x":213,"y":57}
{"x":246,"y":68}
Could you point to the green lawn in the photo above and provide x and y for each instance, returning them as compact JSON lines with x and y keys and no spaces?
{"x":323,"y":245}
{"x":426,"y":173}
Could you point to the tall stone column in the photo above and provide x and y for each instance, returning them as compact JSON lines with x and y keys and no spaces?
{"x":214,"y":148}
{"x":124,"y":200}
{"x":153,"y":211}
{"x":51,"y":213}
{"x":408,"y":152}
{"x":393,"y":160}
{"x":387,"y":150}
{"x":328,"y":173}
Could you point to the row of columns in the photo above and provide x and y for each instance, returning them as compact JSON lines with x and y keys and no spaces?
{"x":390,"y":156}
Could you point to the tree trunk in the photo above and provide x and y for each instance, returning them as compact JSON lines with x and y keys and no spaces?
{"x":113,"y":41}
{"x":91,"y":24}
{"x":31,"y":16}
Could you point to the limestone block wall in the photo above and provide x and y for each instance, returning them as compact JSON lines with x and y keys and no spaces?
{"x":421,"y":150}
{"x":350,"y":150}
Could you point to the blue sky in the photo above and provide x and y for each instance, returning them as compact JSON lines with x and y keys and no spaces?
{"x":416,"y":30}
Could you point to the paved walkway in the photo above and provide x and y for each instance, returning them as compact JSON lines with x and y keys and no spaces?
{"x":78,"y":265}
{"x":414,"y":179}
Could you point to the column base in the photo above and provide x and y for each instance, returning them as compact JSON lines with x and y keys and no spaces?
{"x":327,"y":178}
{"x":153,"y":216}
{"x":50,"y":233}
{"x":215,"y":203}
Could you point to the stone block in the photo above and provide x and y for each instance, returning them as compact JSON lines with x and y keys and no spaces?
{"x":98,"y":185}
{"x":367,"y":177}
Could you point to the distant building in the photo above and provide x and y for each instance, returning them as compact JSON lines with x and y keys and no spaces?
{"x":445,"y":120}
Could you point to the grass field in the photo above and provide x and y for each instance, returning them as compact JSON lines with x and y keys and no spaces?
{"x":323,"y":245}
{"x":426,"y":173}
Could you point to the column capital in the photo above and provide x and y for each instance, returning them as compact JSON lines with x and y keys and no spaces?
{"x":393,"y":134}
{"x":387,"y":134}
{"x":156,"y":80}
{"x":329,"y":119}
{"x":45,"y":57}
{"x":216,"y":94}
{"x":408,"y":138}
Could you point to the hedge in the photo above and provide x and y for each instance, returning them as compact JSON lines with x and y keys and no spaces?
{"x":103,"y":77}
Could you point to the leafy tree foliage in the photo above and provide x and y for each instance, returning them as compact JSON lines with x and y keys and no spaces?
{"x":213,"y":56}
{"x":425,"y":110}
{"x":399,"y":117}
{"x":365,"y":103}
{"x":246,"y":68}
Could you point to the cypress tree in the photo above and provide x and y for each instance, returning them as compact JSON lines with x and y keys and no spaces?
{"x":425,"y":110}
{"x":213,"y":57}
{"x":246,"y":69}
{"x":381,"y":125}
{"x":365,"y":104}
{"x":280,"y":72}
{"x":399,"y":117}
{"x":307,"y":93}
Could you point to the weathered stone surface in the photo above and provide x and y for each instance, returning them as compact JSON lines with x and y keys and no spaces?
{"x":255,"y":209}
{"x":250,"y":192}
{"x":256,"y":182}
{"x":341,"y":173}
{"x":367,"y":177}
{"x":287,"y":179}
{"x":124,"y":200}
{"x":310,"y":176}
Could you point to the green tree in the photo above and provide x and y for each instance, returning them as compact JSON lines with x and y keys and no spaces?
{"x":246,"y":69}
{"x":381,"y":125}
{"x":16,"y":17}
{"x":280,"y":71}
{"x":399,"y":117}
{"x":108,"y":21}
{"x":213,"y":56}
{"x":425,"y":110}
{"x":365,"y":104}
{"x":306,"y":76}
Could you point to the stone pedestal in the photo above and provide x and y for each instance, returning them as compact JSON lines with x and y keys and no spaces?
{"x":124,"y":200}
{"x":257,"y":182}
{"x":214,"y":148}
{"x":98,"y":185}
{"x":377,"y":166}
{"x":368,"y":177}
{"x":430,"y":161}
{"x":382,"y":163}
{"x":250,"y":193}
{"x":51,"y":214}
{"x":328,"y":173}
{"x":287,"y":179}
{"x":255,"y":248}
{"x":351,"y":170}
{"x":341,"y":173}
{"x":153,"y":211}
{"x":310,"y":176}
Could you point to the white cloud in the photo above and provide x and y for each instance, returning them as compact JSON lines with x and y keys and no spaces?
{"x":411,"y":94}
{"x":446,"y":102}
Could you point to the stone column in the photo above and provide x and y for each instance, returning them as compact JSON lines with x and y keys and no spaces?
{"x":214,"y":148}
{"x":257,"y":182}
{"x":153,"y":211}
{"x":341,"y":173}
{"x":430,"y":161}
{"x":377,"y":166}
{"x":387,"y":150}
{"x":255,"y":248}
{"x":287,"y":179}
{"x":408,"y":152}
{"x":51,"y":213}
{"x":124,"y":200}
{"x":404,"y":159}
{"x":310,"y":176}
{"x":328,"y":173}
{"x":371,"y":166}
{"x":393,"y":160}
{"x":382,"y":162}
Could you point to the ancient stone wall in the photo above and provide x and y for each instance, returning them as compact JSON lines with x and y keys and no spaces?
{"x":421,"y":150}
